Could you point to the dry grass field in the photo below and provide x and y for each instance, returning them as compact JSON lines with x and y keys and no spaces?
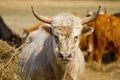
{"x":17,"y":15}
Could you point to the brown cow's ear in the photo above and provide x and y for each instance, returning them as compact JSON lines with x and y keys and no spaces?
{"x":87,"y":30}
{"x":47,"y":29}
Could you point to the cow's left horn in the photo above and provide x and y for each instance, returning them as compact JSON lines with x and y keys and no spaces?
{"x":88,"y":19}
{"x":41,"y":18}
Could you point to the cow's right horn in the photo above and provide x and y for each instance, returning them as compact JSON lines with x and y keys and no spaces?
{"x":41,"y":18}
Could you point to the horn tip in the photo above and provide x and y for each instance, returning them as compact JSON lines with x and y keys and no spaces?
{"x":99,"y":7}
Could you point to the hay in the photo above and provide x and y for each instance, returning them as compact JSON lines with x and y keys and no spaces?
{"x":9,"y":72}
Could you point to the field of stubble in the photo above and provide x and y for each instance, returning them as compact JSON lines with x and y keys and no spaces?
{"x":17,"y":15}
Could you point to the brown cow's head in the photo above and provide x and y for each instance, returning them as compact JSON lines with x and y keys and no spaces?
{"x":66,"y":30}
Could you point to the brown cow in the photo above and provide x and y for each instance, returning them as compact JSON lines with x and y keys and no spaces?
{"x":84,"y":39}
{"x":106,"y":36}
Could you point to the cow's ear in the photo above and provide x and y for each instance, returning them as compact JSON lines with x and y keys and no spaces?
{"x":47,"y":29}
{"x":87,"y":30}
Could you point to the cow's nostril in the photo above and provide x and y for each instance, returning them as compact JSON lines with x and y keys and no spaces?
{"x":61,"y":55}
{"x":65,"y":55}
{"x":69,"y":56}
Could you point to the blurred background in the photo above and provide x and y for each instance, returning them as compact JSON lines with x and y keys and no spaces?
{"x":17,"y":15}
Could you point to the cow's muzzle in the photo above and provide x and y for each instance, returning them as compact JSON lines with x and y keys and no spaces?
{"x":65,"y":56}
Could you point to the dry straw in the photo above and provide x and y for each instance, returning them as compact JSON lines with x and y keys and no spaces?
{"x":8,"y":61}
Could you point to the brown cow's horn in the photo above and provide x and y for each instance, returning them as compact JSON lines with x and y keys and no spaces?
{"x":41,"y":18}
{"x":105,"y":11}
{"x":88,"y":19}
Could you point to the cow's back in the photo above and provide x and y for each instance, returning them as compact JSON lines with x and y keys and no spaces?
{"x":106,"y":27}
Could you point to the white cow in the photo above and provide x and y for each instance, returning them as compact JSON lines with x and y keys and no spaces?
{"x":54,"y":52}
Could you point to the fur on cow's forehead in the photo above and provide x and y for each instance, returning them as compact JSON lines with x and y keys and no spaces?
{"x":64,"y":31}
{"x":65,"y":19}
{"x":67,"y":24}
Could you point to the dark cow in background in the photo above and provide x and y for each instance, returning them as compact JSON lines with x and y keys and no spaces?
{"x":7,"y":35}
{"x":117,"y":14}
{"x":106,"y":36}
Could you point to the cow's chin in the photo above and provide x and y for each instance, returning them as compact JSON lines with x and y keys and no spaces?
{"x":64,"y":61}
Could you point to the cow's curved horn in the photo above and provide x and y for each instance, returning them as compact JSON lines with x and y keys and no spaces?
{"x":88,"y":19}
{"x":41,"y":18}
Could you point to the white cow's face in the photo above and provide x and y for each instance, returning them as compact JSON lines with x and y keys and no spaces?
{"x":66,"y":32}
{"x":67,"y":40}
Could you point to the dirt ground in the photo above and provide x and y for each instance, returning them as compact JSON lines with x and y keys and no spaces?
{"x":17,"y":15}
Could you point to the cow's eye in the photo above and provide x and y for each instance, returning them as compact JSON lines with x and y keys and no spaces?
{"x":56,"y":38}
{"x":75,"y":38}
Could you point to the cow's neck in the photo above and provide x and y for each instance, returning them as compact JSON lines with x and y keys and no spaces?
{"x":61,"y":71}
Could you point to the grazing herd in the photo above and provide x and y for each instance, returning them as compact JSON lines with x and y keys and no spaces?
{"x":53,"y":49}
